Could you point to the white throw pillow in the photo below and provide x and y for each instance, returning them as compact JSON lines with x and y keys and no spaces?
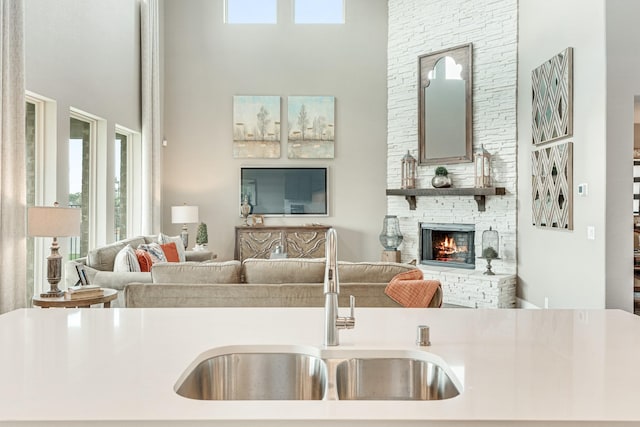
{"x":126,"y":260}
{"x":164,"y":239}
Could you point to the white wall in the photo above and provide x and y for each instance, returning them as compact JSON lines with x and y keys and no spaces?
{"x":85,"y":55}
{"x":623,"y":84}
{"x":564,"y":266}
{"x":417,"y":27}
{"x":208,"y":62}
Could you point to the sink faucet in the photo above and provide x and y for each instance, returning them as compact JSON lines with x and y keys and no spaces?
{"x":332,"y":322}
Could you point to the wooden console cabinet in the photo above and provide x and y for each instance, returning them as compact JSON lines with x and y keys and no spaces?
{"x":296,"y":241}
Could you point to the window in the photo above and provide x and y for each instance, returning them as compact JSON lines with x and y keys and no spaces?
{"x":120,"y":185}
{"x":318,"y":11}
{"x":127,"y":183}
{"x":30,"y":156}
{"x":251,"y":11}
{"x":80,"y":141}
{"x":40,"y":138}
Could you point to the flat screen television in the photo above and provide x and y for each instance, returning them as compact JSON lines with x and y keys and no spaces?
{"x":285,"y":190}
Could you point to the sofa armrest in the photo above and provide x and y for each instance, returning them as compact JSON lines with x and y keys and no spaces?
{"x":118,"y":280}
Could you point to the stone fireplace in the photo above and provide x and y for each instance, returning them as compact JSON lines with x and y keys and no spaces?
{"x":447,"y":245}
{"x":494,"y":128}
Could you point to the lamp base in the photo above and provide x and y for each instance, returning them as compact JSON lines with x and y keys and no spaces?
{"x":54,"y":272}
{"x":57,"y":293}
{"x":184,"y":235}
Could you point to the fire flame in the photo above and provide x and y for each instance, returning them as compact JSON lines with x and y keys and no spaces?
{"x":448,"y":246}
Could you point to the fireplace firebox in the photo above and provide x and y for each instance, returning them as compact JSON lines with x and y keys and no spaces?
{"x":447,"y":245}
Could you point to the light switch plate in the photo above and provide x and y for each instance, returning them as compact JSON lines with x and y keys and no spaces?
{"x":583,"y":189}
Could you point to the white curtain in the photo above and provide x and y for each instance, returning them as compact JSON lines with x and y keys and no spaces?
{"x":13,"y":249}
{"x":151,"y":128}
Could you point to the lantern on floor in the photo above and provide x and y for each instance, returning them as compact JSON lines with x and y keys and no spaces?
{"x":490,"y":242}
{"x":482,"y":161}
{"x":408,"y":171}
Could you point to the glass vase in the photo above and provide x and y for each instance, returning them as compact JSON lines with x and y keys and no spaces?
{"x":390,"y":237}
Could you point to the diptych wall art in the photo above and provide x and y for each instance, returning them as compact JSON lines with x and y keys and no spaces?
{"x":552,"y":106}
{"x":311,"y":127}
{"x":552,"y":183}
{"x":256,"y":127}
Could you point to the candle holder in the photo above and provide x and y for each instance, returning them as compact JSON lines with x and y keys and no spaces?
{"x":482,"y":163}
{"x":408,"y":177}
{"x":490,"y":244}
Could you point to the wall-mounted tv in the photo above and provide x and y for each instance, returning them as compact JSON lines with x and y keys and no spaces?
{"x":285,"y":190}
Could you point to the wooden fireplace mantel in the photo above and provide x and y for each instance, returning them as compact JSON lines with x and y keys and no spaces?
{"x":478,"y":194}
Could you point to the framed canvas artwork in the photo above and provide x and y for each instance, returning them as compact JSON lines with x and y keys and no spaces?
{"x":256,"y":127}
{"x":552,"y":182}
{"x":552,"y":102}
{"x":311,"y":127}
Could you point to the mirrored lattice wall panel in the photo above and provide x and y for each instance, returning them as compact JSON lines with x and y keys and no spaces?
{"x":552,"y":106}
{"x":552,"y":181}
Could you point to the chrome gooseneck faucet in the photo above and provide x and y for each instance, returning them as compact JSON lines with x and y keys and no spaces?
{"x":332,"y":322}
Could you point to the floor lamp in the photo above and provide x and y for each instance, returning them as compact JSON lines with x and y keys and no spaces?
{"x":53,"y":221}
{"x":184,"y":215}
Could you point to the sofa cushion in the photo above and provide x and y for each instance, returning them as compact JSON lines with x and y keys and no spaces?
{"x":155,"y":250}
{"x":103,"y":258}
{"x":286,"y":270}
{"x":251,"y":295}
{"x":126,"y":260}
{"x":370,"y":272}
{"x":170,"y":252}
{"x":144,"y":260}
{"x":163,"y":239}
{"x":195,"y":272}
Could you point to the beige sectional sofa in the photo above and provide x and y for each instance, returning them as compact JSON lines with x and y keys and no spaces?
{"x":293,"y":282}
{"x":99,"y":262}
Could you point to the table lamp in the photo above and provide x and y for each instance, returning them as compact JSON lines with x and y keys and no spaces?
{"x":53,"y":221}
{"x":186,"y":215}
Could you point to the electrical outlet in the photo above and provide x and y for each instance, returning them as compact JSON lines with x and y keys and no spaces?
{"x":546,"y":302}
{"x":591,"y":232}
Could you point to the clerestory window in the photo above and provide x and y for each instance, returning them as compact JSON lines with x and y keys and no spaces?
{"x":318,"y":12}
{"x":251,"y":11}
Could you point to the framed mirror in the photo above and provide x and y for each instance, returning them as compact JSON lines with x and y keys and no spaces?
{"x":445,"y":106}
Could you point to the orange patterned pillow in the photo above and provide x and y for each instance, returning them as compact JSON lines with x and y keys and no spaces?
{"x":170,"y":252}
{"x":144,"y":259}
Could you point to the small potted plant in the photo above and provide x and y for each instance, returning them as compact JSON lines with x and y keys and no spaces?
{"x":441,"y":179}
{"x":202,"y":237}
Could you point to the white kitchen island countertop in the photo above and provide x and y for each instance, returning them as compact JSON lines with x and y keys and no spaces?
{"x":516,"y":367}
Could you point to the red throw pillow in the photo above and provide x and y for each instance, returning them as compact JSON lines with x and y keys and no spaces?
{"x":144,"y":259}
{"x":170,"y":252}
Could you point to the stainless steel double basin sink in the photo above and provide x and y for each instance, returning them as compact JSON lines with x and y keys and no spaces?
{"x":283,"y":373}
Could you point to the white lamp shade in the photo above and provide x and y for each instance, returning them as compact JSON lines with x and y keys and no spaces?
{"x":184,"y":214}
{"x":49,"y":221}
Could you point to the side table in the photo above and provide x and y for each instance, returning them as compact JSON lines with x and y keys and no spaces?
{"x":109,"y":295}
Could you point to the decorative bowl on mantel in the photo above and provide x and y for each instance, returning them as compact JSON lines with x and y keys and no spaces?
{"x":441,"y":181}
{"x":441,"y":178}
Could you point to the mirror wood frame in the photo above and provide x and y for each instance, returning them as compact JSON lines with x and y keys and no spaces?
{"x":462,"y":55}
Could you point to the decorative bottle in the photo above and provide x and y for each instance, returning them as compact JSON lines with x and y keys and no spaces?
{"x":390,"y":237}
